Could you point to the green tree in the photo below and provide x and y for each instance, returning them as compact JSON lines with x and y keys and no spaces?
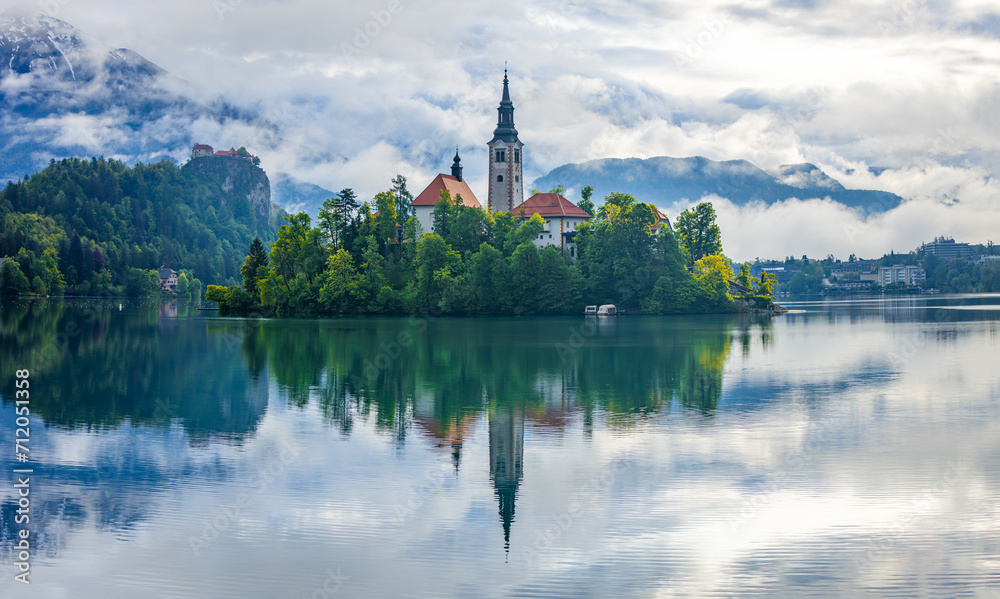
{"x":699,"y":234}
{"x":141,"y":283}
{"x":403,"y":198}
{"x":525,"y":277}
{"x":298,"y":249}
{"x":385,"y":219}
{"x":339,"y":293}
{"x":336,"y":215}
{"x":38,"y":286}
{"x":436,"y":265}
{"x":744,"y":278}
{"x":488,"y":280}
{"x":442,"y":216}
{"x":712,"y":274}
{"x":373,"y":278}
{"x":585,"y":203}
{"x":765,"y":287}
{"x":559,"y":286}
{"x":256,"y":261}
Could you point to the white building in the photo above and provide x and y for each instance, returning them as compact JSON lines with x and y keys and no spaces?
{"x":906,"y":275}
{"x":454,"y":184}
{"x":561,"y":219}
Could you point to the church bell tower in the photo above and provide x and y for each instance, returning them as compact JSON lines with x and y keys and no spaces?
{"x":506,"y":158}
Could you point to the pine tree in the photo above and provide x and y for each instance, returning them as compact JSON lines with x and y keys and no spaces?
{"x":586,"y":204}
{"x":256,"y":260}
{"x":403,"y":198}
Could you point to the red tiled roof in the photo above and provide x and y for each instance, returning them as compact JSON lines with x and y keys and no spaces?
{"x":202,"y":147}
{"x":431,"y":195}
{"x":549,"y":205}
{"x":662,"y":219}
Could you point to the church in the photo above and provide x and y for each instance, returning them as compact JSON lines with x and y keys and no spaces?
{"x":506,"y":186}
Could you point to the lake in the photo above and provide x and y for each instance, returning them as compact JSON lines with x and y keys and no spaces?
{"x":849,"y":448}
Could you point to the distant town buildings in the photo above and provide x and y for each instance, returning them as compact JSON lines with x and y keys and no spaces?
{"x":989,"y":259}
{"x":946,"y":248}
{"x":860,"y":267}
{"x":903,"y":275}
{"x":782,"y":274}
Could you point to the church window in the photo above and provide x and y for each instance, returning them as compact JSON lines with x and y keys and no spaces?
{"x":517,"y":156}
{"x":499,"y":178}
{"x":517,"y":178}
{"x":501,"y":156}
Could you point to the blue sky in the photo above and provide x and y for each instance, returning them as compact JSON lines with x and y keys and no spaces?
{"x":366,"y":89}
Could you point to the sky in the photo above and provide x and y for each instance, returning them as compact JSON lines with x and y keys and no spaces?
{"x":361,"y":91}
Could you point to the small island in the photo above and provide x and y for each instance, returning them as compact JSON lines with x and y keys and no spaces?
{"x":441,"y":253}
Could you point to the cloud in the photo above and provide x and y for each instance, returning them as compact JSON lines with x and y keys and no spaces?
{"x":348,"y":92}
{"x":816,"y":228}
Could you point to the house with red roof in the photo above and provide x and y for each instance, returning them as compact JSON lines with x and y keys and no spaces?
{"x":454,"y":184}
{"x":662,"y":220}
{"x":561,"y":218}
{"x":200,"y":150}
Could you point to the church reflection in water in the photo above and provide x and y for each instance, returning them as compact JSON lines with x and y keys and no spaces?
{"x":506,"y":461}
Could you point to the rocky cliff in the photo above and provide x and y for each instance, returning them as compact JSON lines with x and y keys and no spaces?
{"x":227,"y":178}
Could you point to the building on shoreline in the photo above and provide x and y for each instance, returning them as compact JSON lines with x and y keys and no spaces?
{"x":903,"y":275}
{"x":947,"y":248}
{"x":168,"y":279}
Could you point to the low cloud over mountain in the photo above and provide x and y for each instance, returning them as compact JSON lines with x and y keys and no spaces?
{"x":348,"y":95}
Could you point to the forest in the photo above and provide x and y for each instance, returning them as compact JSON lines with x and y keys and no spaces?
{"x":100,"y":227}
{"x":477,"y":263}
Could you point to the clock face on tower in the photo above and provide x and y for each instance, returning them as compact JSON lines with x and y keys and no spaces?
{"x":506,"y":187}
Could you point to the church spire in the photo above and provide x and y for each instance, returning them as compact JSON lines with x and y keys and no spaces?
{"x":456,"y":167}
{"x":505,"y":130}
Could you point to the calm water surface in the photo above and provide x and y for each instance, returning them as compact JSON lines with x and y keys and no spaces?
{"x":849,"y":448}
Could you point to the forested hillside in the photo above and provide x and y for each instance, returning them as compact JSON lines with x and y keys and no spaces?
{"x":98,"y":226}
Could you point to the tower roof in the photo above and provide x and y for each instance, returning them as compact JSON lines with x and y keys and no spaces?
{"x":505,"y":130}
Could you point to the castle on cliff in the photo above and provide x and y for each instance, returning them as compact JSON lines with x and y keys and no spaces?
{"x":202,"y":150}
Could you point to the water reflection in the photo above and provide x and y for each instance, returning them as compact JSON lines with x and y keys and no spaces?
{"x":803,"y":430}
{"x":506,"y":461}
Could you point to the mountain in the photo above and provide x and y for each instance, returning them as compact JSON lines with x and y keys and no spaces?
{"x":664,"y":180}
{"x":92,"y":226}
{"x":298,"y":196}
{"x":63,"y":95}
